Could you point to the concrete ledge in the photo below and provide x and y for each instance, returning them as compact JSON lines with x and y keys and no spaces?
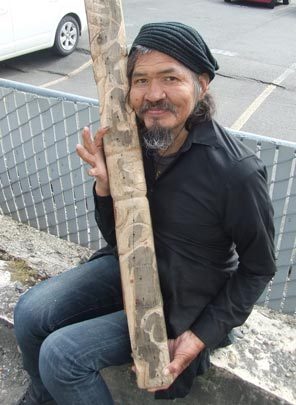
{"x":263,"y":354}
{"x":217,"y":387}
{"x":258,"y":369}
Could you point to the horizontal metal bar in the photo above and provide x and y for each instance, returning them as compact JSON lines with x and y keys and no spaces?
{"x":262,"y":138}
{"x":28,"y":88}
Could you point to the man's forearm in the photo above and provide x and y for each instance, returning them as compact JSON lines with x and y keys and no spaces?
{"x":231,"y":307}
{"x":104,"y":216}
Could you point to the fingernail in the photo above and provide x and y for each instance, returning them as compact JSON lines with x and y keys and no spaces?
{"x":166,"y":372}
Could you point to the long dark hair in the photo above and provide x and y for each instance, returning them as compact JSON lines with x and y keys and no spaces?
{"x":203,"y":111}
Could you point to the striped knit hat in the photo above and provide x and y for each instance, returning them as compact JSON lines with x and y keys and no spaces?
{"x":179,"y":41}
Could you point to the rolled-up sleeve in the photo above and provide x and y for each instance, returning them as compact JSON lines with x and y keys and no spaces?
{"x":248,"y":221}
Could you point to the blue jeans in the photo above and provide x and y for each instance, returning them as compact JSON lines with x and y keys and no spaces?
{"x":69,"y":328}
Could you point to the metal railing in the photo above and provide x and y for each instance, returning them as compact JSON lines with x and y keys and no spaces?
{"x":43,"y":182}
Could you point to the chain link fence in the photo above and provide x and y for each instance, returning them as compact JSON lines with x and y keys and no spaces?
{"x":43,"y":182}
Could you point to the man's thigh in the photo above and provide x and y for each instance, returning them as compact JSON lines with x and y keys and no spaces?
{"x":87,"y":346}
{"x":89,"y":290}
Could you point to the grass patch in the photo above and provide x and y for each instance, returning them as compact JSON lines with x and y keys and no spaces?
{"x":22,"y":272}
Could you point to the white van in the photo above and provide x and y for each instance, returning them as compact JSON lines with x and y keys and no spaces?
{"x":30,"y":25}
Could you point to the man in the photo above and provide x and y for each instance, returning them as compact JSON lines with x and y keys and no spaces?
{"x":212,"y":224}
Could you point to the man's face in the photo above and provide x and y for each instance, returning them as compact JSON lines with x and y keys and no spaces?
{"x":163,"y":93}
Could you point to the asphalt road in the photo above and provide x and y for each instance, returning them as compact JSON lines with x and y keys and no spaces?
{"x":255,"y":46}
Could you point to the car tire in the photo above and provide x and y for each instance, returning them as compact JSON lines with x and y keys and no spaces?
{"x":271,"y":4}
{"x":67,"y":36}
{"x":227,"y":1}
{"x":286,"y":2}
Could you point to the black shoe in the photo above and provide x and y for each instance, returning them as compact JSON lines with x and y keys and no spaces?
{"x":28,"y":399}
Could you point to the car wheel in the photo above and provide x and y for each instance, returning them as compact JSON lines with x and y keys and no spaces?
{"x":271,"y":4}
{"x":286,"y":2}
{"x":67,"y":35}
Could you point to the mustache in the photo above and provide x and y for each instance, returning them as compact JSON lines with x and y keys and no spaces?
{"x":157,"y":105}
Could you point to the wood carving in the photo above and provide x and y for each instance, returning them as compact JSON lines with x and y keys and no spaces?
{"x":142,"y":295}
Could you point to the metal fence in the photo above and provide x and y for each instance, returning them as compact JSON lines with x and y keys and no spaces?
{"x":44,"y":183}
{"x":42,"y":180}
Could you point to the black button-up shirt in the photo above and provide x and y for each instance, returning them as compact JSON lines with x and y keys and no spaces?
{"x":213,"y":227}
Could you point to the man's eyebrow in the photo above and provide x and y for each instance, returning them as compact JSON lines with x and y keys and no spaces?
{"x":160,"y":72}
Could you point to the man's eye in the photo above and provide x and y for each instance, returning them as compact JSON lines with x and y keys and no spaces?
{"x":170,"y":79}
{"x":140,"y":81}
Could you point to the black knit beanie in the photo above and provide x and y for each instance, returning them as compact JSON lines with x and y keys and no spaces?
{"x":179,"y":41}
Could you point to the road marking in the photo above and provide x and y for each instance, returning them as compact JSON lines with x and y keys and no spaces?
{"x":253,"y":107}
{"x":215,"y":51}
{"x":68,"y":76}
{"x":223,"y":52}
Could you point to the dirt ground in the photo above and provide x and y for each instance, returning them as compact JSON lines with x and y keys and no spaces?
{"x":13,"y":379}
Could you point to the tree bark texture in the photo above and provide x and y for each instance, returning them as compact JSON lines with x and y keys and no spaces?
{"x":141,"y":289}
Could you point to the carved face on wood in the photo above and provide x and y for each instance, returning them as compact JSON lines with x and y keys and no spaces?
{"x":163,"y":91}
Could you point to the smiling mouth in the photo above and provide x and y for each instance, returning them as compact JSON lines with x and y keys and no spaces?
{"x":156,"y":111}
{"x":157,"y":108}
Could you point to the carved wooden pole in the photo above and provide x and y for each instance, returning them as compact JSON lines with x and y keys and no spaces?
{"x":142,"y":295}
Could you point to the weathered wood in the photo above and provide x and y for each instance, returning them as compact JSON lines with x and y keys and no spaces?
{"x":142,"y":295}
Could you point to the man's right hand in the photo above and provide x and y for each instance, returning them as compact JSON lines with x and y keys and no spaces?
{"x":92,"y":152}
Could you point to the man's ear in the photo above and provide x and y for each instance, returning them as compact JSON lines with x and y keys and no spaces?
{"x":204,"y":81}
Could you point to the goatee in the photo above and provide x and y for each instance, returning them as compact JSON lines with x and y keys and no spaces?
{"x":157,"y":137}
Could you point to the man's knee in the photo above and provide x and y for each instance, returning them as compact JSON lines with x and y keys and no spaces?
{"x":26,"y":315}
{"x":58,"y":360}
{"x":52,"y":360}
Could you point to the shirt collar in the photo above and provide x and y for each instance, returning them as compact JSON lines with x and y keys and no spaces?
{"x":204,"y":133}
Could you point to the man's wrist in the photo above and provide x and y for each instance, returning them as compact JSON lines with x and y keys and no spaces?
{"x":197,"y":341}
{"x":101,"y":191}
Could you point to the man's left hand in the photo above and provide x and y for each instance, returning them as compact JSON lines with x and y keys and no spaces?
{"x":183,"y":351}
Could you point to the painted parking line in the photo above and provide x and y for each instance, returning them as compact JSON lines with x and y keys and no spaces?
{"x":253,"y":107}
{"x":68,"y":76}
{"x":223,"y":52}
{"x":214,"y":51}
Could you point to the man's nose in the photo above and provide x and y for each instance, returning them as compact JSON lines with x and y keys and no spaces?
{"x":154,"y":92}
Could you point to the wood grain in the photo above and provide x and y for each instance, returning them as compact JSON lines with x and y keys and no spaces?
{"x":142,"y":295}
